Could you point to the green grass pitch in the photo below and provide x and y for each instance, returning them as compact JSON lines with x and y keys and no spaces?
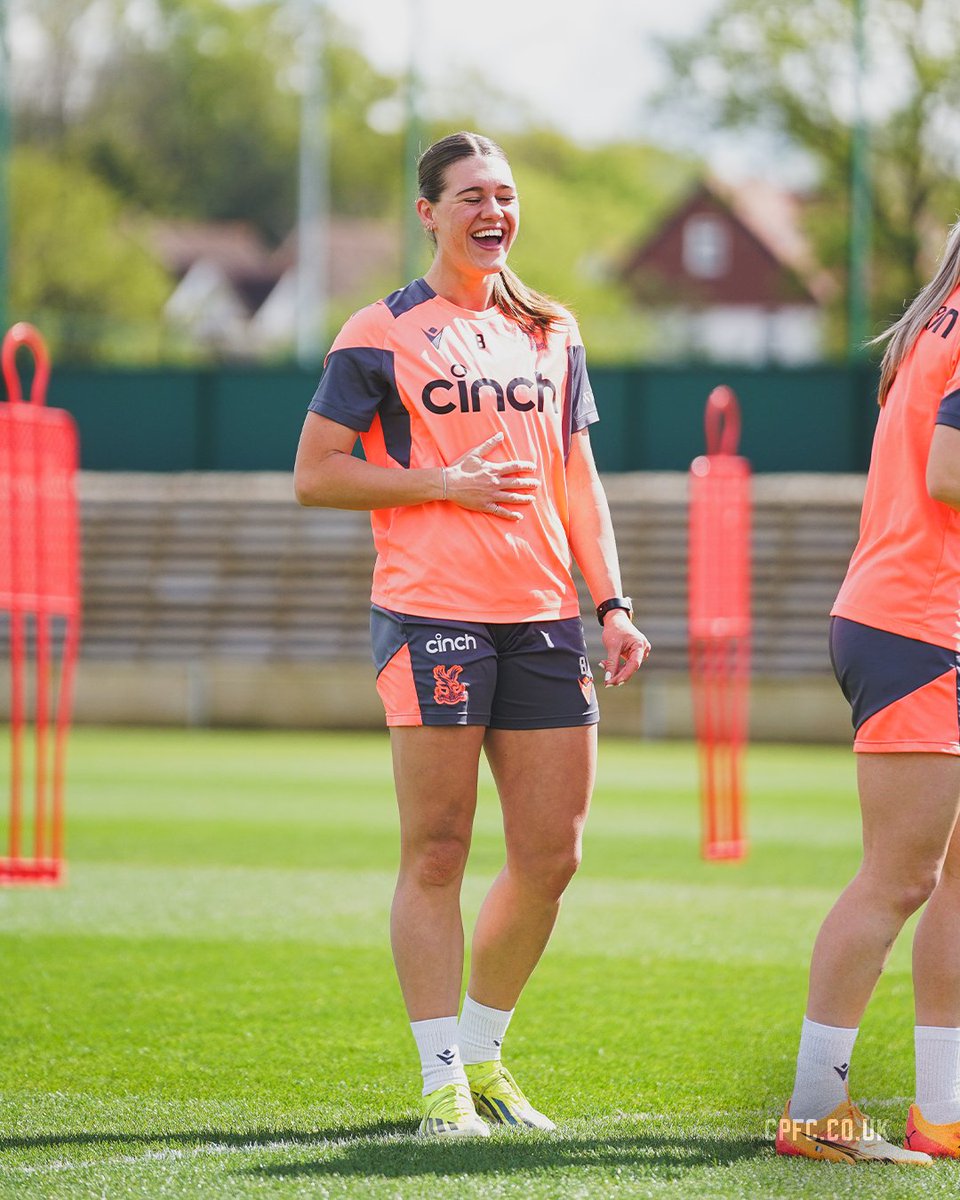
{"x":208,"y":1008}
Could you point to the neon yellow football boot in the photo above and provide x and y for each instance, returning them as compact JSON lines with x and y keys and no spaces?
{"x":497,"y":1096}
{"x":449,"y":1112}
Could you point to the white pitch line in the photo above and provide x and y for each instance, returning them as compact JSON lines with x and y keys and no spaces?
{"x":170,"y":1155}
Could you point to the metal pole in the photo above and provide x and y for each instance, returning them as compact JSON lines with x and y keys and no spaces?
{"x":313,"y":218}
{"x":413,"y":238}
{"x":5,"y":141}
{"x":858,"y":292}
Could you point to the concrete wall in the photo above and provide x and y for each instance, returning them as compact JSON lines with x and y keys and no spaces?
{"x":343,"y":696}
{"x":214,"y":600}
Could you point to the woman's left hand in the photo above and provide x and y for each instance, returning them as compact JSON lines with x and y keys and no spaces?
{"x":626,"y":648}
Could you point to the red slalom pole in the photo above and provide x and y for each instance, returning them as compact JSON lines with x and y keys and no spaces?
{"x":40,"y":592}
{"x":719,"y":624}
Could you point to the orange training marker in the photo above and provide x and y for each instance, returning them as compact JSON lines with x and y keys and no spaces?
{"x":719,"y":610}
{"x":40,"y":598}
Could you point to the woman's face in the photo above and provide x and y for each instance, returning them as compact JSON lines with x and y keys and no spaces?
{"x":476,"y":219}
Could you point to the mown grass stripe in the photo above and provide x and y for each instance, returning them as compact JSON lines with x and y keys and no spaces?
{"x":208,"y":1008}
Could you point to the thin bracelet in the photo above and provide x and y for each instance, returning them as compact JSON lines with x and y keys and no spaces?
{"x":443,"y":480}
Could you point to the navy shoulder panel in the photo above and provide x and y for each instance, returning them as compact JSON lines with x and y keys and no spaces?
{"x":408,"y":297}
{"x":358,"y":385}
{"x":351,"y":387}
{"x":579,"y":406}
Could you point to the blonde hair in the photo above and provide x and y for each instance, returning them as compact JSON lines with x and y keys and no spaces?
{"x":902,"y":334}
{"x":535,"y":313}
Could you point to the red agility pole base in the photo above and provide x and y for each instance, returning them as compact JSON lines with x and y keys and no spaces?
{"x":40,"y":594}
{"x":719,"y":599}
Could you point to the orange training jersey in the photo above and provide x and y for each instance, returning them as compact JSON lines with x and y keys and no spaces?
{"x":904,"y":576}
{"x":423,"y":382}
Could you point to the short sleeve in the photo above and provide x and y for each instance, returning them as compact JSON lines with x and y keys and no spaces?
{"x":354,"y":380}
{"x":582,"y":405}
{"x":949,"y":411}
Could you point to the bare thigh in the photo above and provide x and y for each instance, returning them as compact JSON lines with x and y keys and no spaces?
{"x":545,"y":779}
{"x":909,"y":804}
{"x":435,"y":773}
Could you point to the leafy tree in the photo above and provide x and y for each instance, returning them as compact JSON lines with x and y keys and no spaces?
{"x":46,"y":91}
{"x":196,"y":112}
{"x":582,"y":211}
{"x":76,"y":269}
{"x":195,"y":118}
{"x":787,"y":70}
{"x":366,"y":166}
{"x":190,"y":108}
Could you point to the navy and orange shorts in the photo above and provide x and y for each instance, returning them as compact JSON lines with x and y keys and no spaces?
{"x":904,"y":694}
{"x":529,"y":675}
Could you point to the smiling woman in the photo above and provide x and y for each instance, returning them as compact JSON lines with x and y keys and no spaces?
{"x":471,"y":200}
{"x":469,"y":391}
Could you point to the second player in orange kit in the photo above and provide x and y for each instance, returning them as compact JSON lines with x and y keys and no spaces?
{"x":895,"y":646}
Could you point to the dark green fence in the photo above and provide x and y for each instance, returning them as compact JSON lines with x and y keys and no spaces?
{"x":248,"y":419}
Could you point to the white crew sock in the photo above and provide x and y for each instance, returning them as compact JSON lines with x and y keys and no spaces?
{"x":822,"y":1065}
{"x":481,"y":1031}
{"x":938,"y":1073}
{"x":439,"y":1053}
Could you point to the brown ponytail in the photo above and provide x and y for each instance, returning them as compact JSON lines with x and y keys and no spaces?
{"x":535,"y":313}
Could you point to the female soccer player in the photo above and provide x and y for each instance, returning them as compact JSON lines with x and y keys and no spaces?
{"x":894,"y":641}
{"x":470,"y":394}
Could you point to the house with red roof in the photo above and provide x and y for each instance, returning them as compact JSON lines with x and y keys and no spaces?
{"x":728,"y":275}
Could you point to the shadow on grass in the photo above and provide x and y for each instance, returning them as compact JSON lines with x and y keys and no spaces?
{"x":254,"y":1138}
{"x":387,"y":1149}
{"x":510,"y":1154}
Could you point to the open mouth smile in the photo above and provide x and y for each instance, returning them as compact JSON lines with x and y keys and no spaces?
{"x":489,"y":239}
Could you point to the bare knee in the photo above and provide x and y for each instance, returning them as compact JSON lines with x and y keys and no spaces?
{"x":439,"y":862}
{"x":907,"y":895}
{"x":547,"y":872}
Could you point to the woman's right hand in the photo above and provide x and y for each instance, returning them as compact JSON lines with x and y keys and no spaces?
{"x":489,"y":487}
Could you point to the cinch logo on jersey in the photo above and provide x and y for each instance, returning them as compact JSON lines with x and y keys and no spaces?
{"x":439,"y":644}
{"x":943,"y":316}
{"x":480,"y":392}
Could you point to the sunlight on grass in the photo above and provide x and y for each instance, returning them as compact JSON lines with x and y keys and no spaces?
{"x":208,"y":1007}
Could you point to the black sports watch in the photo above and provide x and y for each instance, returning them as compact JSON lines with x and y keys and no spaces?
{"x":623,"y":602}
